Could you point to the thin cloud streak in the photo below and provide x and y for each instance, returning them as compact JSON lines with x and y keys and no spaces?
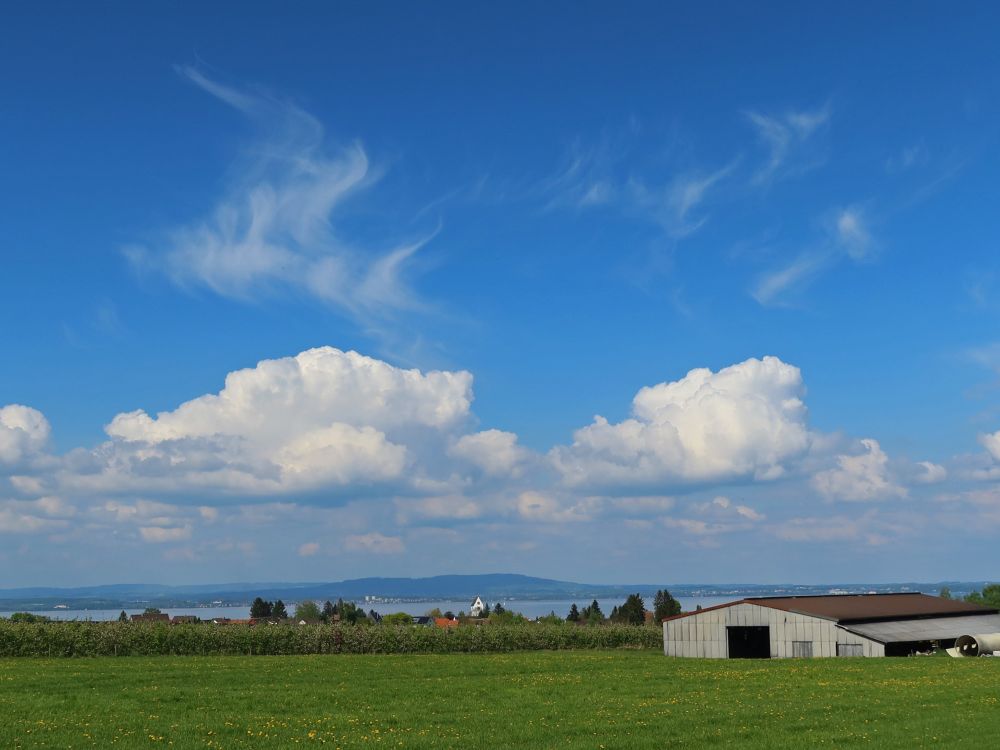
{"x":785,"y":138}
{"x":273,"y":231}
{"x":848,"y":236}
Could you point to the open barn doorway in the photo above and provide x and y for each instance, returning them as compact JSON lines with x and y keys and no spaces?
{"x":749,"y":642}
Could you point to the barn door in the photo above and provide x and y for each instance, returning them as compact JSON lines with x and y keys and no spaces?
{"x":753,"y":642}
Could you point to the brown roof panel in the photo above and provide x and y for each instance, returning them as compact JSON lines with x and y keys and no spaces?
{"x":858,"y":607}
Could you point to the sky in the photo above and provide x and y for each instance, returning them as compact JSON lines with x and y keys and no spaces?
{"x":634,"y":292}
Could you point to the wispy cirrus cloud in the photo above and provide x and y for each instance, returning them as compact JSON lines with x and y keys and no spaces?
{"x":787,"y":139}
{"x":619,"y":174}
{"x":674,"y":205}
{"x":846,"y":235}
{"x":771,"y":286}
{"x":273,"y":230}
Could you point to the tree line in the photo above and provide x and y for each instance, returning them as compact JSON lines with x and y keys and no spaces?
{"x":632,"y":612}
{"x":310,"y":611}
{"x":988,"y":597}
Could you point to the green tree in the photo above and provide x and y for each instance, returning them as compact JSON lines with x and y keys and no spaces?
{"x":507,"y":617}
{"x":122,"y":617}
{"x":28,"y":617}
{"x":945,"y":592}
{"x":278,"y":611}
{"x":397,"y":618}
{"x":328,"y":611}
{"x":349,"y":612}
{"x":151,"y":611}
{"x":664,"y":605}
{"x":498,"y":609}
{"x":989,"y":596}
{"x":308,"y":611}
{"x":260,"y":608}
{"x":594,"y":614}
{"x":550,"y":619}
{"x":574,"y":614}
{"x":633,"y":611}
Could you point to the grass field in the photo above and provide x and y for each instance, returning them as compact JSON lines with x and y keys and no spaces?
{"x":620,"y":699}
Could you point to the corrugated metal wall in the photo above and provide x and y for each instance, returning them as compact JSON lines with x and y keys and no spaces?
{"x":704,"y":634}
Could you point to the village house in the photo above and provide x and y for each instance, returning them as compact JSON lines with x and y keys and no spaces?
{"x":151,"y":617}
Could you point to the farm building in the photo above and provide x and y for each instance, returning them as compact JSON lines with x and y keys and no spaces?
{"x":836,"y":625}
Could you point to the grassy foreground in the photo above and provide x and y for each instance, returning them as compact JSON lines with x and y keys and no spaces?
{"x":620,"y":699}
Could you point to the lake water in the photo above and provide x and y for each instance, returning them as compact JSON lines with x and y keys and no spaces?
{"x":529,"y":608}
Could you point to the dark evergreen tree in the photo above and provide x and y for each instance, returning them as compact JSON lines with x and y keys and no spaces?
{"x":498,"y":609}
{"x":123,"y":617}
{"x":574,"y":614}
{"x":633,"y":611}
{"x":260,"y":608}
{"x":328,"y":611}
{"x":664,"y":605}
{"x":592,"y":614}
{"x":278,"y":611}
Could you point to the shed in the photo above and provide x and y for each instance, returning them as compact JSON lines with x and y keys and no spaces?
{"x":835,"y":625}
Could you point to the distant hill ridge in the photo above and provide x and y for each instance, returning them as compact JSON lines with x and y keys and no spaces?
{"x":490,"y":586}
{"x":434,"y":587}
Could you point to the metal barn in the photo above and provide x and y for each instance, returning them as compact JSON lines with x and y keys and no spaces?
{"x":836,"y":625}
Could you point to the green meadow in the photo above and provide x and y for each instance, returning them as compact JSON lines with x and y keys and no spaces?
{"x":584,"y":699}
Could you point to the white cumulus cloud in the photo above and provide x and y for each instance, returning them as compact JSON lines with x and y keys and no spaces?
{"x":375,"y":543}
{"x":493,"y":451}
{"x":862,"y":477}
{"x":931,"y":472}
{"x":744,"y":421}
{"x":308,"y":549}
{"x":162,"y":534}
{"x":23,"y":432}
{"x":991,"y":442}
{"x":324,"y":418}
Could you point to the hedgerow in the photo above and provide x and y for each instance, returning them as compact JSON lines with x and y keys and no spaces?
{"x":76,"y":639}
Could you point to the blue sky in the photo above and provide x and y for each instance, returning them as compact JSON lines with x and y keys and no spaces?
{"x":759,"y":243}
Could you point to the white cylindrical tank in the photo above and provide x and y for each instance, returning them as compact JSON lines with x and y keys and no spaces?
{"x":977,"y":645}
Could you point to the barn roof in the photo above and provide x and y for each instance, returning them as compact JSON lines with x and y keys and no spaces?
{"x":847,"y":608}
{"x":929,"y":629}
{"x":868,"y":607}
